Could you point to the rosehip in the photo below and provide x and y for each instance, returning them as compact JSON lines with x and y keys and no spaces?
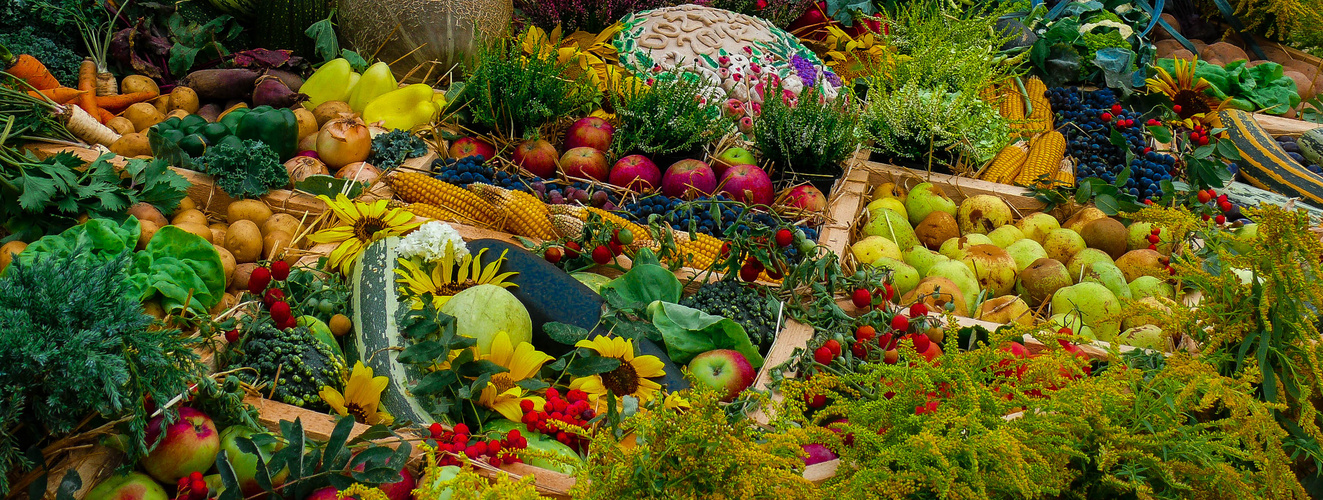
{"x":1176,"y":108}
{"x":900,"y":323}
{"x":1107,"y":117}
{"x":258,"y":281}
{"x":1153,"y":238}
{"x":865,"y":333}
{"x":749,"y":272}
{"x":862,"y":298}
{"x":232,"y":336}
{"x":921,"y":343}
{"x":816,"y":401}
{"x":1156,"y":231}
{"x":1225,"y":206}
{"x":436,"y":430}
{"x":918,"y":309}
{"x":572,"y":249}
{"x":280,"y":311}
{"x":1116,"y":108}
{"x":1220,"y":219}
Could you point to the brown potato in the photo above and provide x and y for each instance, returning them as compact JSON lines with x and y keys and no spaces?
{"x":154,"y":308}
{"x":1223,"y":51}
{"x":201,"y":230}
{"x":242,"y":272}
{"x":226,"y":302}
{"x":1303,"y":84}
{"x":162,"y":104}
{"x":8,"y":251}
{"x":307,"y":122}
{"x":132,"y":145}
{"x":185,"y":203}
{"x":330,"y":110}
{"x":195,"y":216}
{"x":1309,"y":70}
{"x":1167,"y":47}
{"x":275,"y":243}
{"x":143,"y":115}
{"x":218,"y":233}
{"x":250,"y":210}
{"x":121,"y":125}
{"x":133,"y":84}
{"x":1160,"y":33}
{"x":146,"y":230}
{"x":281,"y":222}
{"x":147,"y":212}
{"x":227,"y":262}
{"x":184,"y":98}
{"x":244,"y":240}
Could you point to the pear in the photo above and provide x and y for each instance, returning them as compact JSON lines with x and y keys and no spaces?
{"x":1144,"y":337}
{"x":1106,"y":234}
{"x":1083,"y":260}
{"x":937,"y":292}
{"x":1242,"y":239}
{"x":1142,"y":262}
{"x":1035,"y":226}
{"x":1137,"y":237}
{"x":903,"y":276}
{"x":956,"y":248}
{"x":1077,"y":221}
{"x":925,"y":199}
{"x":892,"y":226}
{"x":962,"y":276}
{"x":1005,"y":309}
{"x":936,"y":228}
{"x":994,"y":268}
{"x":1146,"y":311}
{"x":1109,"y":276}
{"x":1062,"y":244}
{"x":892,"y":204}
{"x":1005,"y":235}
{"x":872,"y":248}
{"x":921,"y":259}
{"x":1041,"y":279}
{"x":889,"y":190}
{"x":1148,"y":286}
{"x":1025,"y":252}
{"x":1099,"y":308}
{"x":982,"y":214}
{"x":1072,"y":321}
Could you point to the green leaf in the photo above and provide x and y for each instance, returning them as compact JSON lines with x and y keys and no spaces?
{"x":1122,"y":176}
{"x":156,"y":182}
{"x":1226,"y":148}
{"x":356,"y":62}
{"x":373,"y":433}
{"x":425,"y":352}
{"x":330,"y":186}
{"x":182,"y":58}
{"x":1118,"y":140}
{"x":434,"y":382}
{"x":647,"y":283}
{"x":1107,"y":204}
{"x":262,"y":475}
{"x":565,"y":334}
{"x":592,"y":365}
{"x":323,"y":35}
{"x":689,"y":332}
{"x":1203,"y":151}
{"x":479,"y":368}
{"x":336,"y":444}
{"x":532,"y":385}
{"x":1160,"y":133}
{"x":35,"y":192}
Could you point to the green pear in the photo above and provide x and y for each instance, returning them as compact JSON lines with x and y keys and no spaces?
{"x":956,"y":248}
{"x":962,"y":276}
{"x":1082,"y":260}
{"x":1144,"y":337}
{"x":1243,"y":237}
{"x":1041,"y":279}
{"x":994,"y":268}
{"x":1142,"y":262}
{"x":1137,"y":237}
{"x":1099,"y":307}
{"x":1025,"y":252}
{"x":872,"y":248}
{"x":903,"y":276}
{"x":1035,"y":226}
{"x":1071,"y":320}
{"x":1109,"y":276}
{"x":1005,"y":235}
{"x":892,"y":226}
{"x":1149,"y":286}
{"x":1062,"y":244}
{"x":982,"y":214}
{"x":921,"y":258}
{"x":893,"y":204}
{"x":926,"y":198}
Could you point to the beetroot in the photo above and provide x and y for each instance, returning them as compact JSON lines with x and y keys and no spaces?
{"x":270,"y":91}
{"x":221,"y":84}
{"x":817,"y":454}
{"x":688,"y":178}
{"x":805,"y":197}
{"x":635,"y":172}
{"x":747,"y":184}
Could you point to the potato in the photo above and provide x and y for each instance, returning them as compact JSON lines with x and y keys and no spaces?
{"x":244,"y":240}
{"x":162,"y":103}
{"x":178,"y":113}
{"x":330,"y":110}
{"x":133,"y":84}
{"x":218,"y":232}
{"x":195,"y":216}
{"x":7,"y":252}
{"x":121,"y":125}
{"x":184,"y":98}
{"x":147,"y":212}
{"x":250,"y":210}
{"x":1303,"y":84}
{"x":1167,"y":47}
{"x":185,"y":204}
{"x":1160,"y":33}
{"x":274,"y":244}
{"x":154,"y":308}
{"x":132,"y":145}
{"x":1183,"y":54}
{"x":1223,"y":51}
{"x":307,"y":122}
{"x":242,"y":272}
{"x":1309,"y":70}
{"x":146,"y":229}
{"x":143,"y":116}
{"x":226,"y":302}
{"x":201,"y":230}
{"x":281,"y":222}
{"x":227,"y":262}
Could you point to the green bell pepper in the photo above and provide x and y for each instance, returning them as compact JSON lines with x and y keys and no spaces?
{"x":193,"y":144}
{"x":231,"y":120}
{"x":278,"y":128}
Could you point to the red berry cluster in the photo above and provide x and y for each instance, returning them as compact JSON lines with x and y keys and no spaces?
{"x":572,"y":410}
{"x":191,"y":487}
{"x":458,"y":441}
{"x":1199,"y":135}
{"x":867,"y":340}
{"x":272,"y":297}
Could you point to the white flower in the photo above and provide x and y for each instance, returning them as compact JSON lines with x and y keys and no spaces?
{"x":428,"y":242}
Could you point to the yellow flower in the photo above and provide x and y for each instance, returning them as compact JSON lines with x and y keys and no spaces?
{"x":675,"y":401}
{"x":361,"y":397}
{"x":586,"y":53}
{"x":862,"y":57}
{"x":1188,"y":96}
{"x":360,"y":225}
{"x":503,"y":394}
{"x":628,"y":379}
{"x":445,"y":280}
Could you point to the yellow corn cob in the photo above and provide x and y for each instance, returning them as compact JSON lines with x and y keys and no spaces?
{"x":568,"y":226}
{"x":524,"y":214}
{"x":1040,"y":118}
{"x":1007,"y":164}
{"x":434,"y":212}
{"x":1065,"y":173}
{"x":1045,"y":155}
{"x":990,"y":94}
{"x":582,"y":214}
{"x":1012,"y":105}
{"x":414,"y":187}
{"x":700,"y":252}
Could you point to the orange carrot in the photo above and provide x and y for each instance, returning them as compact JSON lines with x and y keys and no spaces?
{"x":60,"y":95}
{"x":30,"y":70}
{"x":116,"y":103}
{"x":105,"y":115}
{"x":87,"y":84}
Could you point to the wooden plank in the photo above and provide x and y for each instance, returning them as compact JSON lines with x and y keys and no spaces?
{"x":958,"y":188}
{"x":1281,"y":125}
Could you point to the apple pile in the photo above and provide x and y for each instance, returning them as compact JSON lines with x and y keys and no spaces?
{"x":975,"y":259}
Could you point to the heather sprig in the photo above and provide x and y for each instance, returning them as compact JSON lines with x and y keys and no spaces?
{"x":516,"y":93}
{"x":674,"y":114}
{"x":807,"y":137}
{"x":586,"y":15}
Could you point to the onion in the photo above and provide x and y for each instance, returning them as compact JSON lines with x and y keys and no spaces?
{"x":343,"y":141}
{"x":302,"y":167}
{"x":309,"y":142}
{"x":359,"y":171}
{"x":309,"y":153}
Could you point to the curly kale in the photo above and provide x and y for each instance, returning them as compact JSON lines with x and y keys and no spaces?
{"x":389,"y":150}
{"x":247,"y":171}
{"x":304,"y":363}
{"x":62,"y":62}
{"x":749,"y":305}
{"x":74,"y":343}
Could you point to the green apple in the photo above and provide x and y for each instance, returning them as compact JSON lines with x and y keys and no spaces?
{"x":962,"y":276}
{"x":1146,"y":311}
{"x":1035,"y":226}
{"x":1098,"y":306}
{"x":1061,"y":244}
{"x":872,"y":248}
{"x":725,"y":370}
{"x":131,"y":486}
{"x":1243,"y":237}
{"x":1005,"y":235}
{"x":924,"y":199}
{"x":903,"y":276}
{"x":1137,"y":237}
{"x":1109,"y":276}
{"x":956,"y":248}
{"x":245,"y":464}
{"x":731,"y":157}
{"x":892,"y":226}
{"x":1025,"y":252}
{"x":921,"y":258}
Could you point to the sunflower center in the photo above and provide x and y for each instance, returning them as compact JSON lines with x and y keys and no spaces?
{"x":623,"y":380}
{"x":455,"y":287}
{"x":366,"y":227}
{"x":360,"y":413}
{"x":1191,"y":103}
{"x":502,"y":382}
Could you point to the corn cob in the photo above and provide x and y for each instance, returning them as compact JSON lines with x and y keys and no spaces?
{"x":1040,"y":117}
{"x":1012,"y":105}
{"x":699,"y":252}
{"x":524,"y":214}
{"x":990,"y":94}
{"x":568,"y":226}
{"x":1045,"y":155}
{"x":415,"y":187}
{"x":1065,"y":173}
{"x":434,"y":212}
{"x":581,"y":213}
{"x":1007,"y":164}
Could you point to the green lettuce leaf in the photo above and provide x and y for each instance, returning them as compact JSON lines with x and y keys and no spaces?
{"x":95,"y":242}
{"x":180,"y":267}
{"x":689,"y":332}
{"x":645,"y":284}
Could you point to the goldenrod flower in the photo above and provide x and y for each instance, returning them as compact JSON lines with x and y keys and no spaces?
{"x":360,"y":224}
{"x":675,"y":401}
{"x":1187,"y":95}
{"x":445,"y":280}
{"x":503,"y":394}
{"x":628,"y":379}
{"x":361,"y":397}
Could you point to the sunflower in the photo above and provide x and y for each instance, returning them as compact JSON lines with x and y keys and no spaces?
{"x":1188,"y":96}
{"x":628,"y":379}
{"x":445,"y":281}
{"x":361,"y":397}
{"x":503,"y":394}
{"x":360,"y":224}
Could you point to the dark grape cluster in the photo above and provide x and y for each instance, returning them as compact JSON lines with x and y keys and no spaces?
{"x":1292,"y":149}
{"x":578,"y":193}
{"x":470,"y":169}
{"x":1087,"y":118}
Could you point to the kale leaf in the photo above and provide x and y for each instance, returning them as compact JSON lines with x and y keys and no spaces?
{"x":389,"y":150}
{"x":247,"y":171}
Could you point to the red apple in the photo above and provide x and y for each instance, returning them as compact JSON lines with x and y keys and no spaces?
{"x":536,"y":156}
{"x":725,"y":370}
{"x":729,"y":158}
{"x":131,"y":486}
{"x":190,"y":445}
{"x":817,"y":453}
{"x":245,"y":464}
{"x":805,"y":197}
{"x":327,"y":493}
{"x":747,"y":184}
{"x":590,"y":132}
{"x":584,"y":163}
{"x":468,"y":146}
{"x":636,"y":172}
{"x":398,"y":490}
{"x":688,"y":178}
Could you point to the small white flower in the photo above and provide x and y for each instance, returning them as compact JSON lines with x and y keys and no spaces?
{"x":428,"y":242}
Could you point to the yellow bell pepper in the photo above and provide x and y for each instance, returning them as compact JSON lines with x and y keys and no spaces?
{"x":331,"y":82}
{"x":377,"y":80}
{"x":404,"y":108}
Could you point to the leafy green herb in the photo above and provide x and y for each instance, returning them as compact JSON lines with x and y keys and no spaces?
{"x":247,"y":171}
{"x":193,"y":40}
{"x":811,"y":139}
{"x":60,"y":60}
{"x":515,"y":93}
{"x":443,"y":393}
{"x":667,"y":117}
{"x":914,"y":124}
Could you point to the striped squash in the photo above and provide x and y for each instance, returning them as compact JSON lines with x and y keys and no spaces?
{"x":1311,"y":146}
{"x":377,"y":340}
{"x":1265,"y":164}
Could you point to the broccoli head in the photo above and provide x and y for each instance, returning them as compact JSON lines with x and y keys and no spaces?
{"x":304,"y":364}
